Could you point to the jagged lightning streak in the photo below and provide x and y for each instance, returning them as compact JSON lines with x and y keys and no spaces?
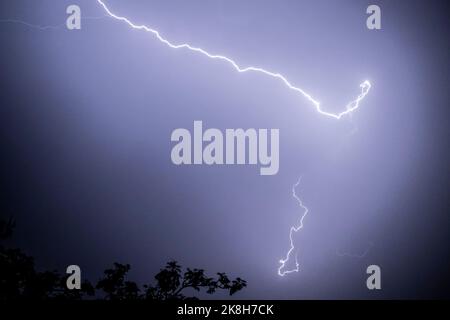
{"x":47,"y":27}
{"x":355,"y":255}
{"x":350,"y":107}
{"x":293,"y":230}
{"x":33,"y":26}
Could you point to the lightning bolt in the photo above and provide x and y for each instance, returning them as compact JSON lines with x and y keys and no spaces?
{"x":47,"y":27}
{"x":355,"y":255}
{"x":33,"y":26}
{"x":294,"y":229}
{"x":350,"y":107}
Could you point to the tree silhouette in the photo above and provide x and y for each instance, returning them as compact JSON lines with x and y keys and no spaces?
{"x":6,"y":228}
{"x":171,"y":282}
{"x":20,"y":280}
{"x":115,"y":286}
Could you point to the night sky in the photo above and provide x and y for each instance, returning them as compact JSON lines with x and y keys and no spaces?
{"x":86,"y":118}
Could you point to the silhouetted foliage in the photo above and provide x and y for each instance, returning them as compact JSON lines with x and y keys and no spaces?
{"x":6,"y":228}
{"x":115,"y":286}
{"x":20,"y":280}
{"x":170,"y":282}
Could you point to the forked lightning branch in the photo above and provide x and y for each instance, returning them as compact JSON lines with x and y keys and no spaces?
{"x":350,"y":107}
{"x":258,"y":141}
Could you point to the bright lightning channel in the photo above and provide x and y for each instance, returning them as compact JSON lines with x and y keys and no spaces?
{"x":350,"y":107}
{"x":355,"y":255}
{"x":294,"y":229}
{"x":47,"y":27}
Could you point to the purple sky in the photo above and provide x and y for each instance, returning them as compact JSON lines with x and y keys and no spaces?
{"x":86,"y":118}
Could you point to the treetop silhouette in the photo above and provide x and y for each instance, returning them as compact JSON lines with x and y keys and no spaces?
{"x":20,"y":280}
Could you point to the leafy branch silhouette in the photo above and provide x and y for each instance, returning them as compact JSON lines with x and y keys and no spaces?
{"x":170,"y":282}
{"x":19,"y":280}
